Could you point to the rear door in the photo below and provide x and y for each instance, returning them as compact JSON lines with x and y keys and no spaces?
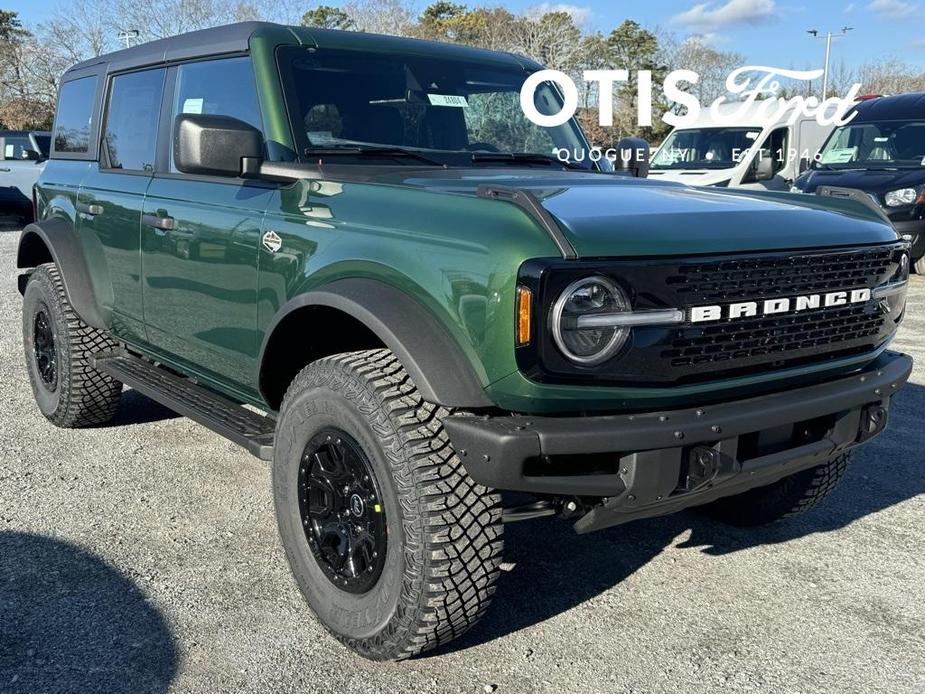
{"x":111,"y":196}
{"x":200,"y":267}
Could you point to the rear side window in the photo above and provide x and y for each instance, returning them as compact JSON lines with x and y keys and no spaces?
{"x":131,"y":123}
{"x":223,"y":87}
{"x":75,"y":110}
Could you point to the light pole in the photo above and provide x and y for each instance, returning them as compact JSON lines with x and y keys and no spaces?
{"x":828,"y":52}
{"x":127,"y":35}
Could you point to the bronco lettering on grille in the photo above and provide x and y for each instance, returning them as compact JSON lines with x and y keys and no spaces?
{"x":749,"y":309}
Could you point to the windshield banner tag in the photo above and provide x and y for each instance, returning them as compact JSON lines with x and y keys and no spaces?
{"x":448,"y":100}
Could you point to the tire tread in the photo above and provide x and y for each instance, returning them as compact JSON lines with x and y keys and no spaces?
{"x":453,"y":532}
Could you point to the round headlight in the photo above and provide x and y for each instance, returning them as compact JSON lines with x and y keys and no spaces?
{"x":590,"y":345}
{"x":898,"y":198}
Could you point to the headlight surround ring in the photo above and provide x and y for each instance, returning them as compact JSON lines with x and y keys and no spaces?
{"x":610,"y":298}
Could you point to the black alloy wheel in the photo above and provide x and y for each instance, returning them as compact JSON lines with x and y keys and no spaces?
{"x":342,"y":511}
{"x":46,"y":358}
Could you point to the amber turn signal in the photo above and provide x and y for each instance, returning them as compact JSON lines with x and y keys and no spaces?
{"x":524,"y":304}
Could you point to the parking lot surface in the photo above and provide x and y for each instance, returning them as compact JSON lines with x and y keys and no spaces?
{"x":143,"y":557}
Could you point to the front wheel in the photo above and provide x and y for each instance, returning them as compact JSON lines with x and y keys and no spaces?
{"x":787,"y":497}
{"x":395,"y":548}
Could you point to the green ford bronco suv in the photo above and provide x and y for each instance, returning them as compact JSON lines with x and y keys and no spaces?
{"x":354,"y":256}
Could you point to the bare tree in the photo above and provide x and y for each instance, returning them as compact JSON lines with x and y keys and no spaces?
{"x":394,"y":17}
{"x":712,"y":65}
{"x":83,"y":29}
{"x":157,"y":19}
{"x":890,"y":76}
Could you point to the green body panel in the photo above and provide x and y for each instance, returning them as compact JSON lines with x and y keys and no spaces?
{"x":210,"y":290}
{"x":457,"y":256}
{"x":200,"y":293}
{"x":112,"y":244}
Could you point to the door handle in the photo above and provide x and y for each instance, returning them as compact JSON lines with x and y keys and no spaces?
{"x":6,"y":170}
{"x":158,"y":222}
{"x":89,"y":208}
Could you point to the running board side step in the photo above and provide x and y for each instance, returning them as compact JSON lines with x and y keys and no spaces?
{"x":223,"y":416}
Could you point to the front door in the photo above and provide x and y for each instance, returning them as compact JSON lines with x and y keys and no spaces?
{"x":200,"y":236}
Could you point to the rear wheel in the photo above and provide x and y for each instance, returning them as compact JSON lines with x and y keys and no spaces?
{"x":69,"y":391}
{"x":394,"y":547}
{"x":787,"y":497}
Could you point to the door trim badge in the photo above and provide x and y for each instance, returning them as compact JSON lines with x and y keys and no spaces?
{"x":271,"y":241}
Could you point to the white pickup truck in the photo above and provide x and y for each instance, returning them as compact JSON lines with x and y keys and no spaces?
{"x":24,"y":155}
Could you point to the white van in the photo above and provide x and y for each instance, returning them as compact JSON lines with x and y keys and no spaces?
{"x":744,"y":155}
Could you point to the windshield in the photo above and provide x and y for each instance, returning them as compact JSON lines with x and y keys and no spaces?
{"x":44,"y":143}
{"x":449,"y":109}
{"x":890,"y":144}
{"x":705,"y":148}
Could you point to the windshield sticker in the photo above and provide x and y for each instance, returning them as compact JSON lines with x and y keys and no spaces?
{"x":842,"y":155}
{"x":192,"y":105}
{"x":448,"y":100}
{"x":321,"y":137}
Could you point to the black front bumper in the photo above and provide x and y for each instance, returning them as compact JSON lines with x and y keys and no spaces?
{"x":655,"y":463}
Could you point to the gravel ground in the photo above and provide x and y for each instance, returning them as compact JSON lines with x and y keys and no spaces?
{"x":143,"y":557}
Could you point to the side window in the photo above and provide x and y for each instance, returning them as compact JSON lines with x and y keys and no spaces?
{"x":75,"y":110}
{"x":779,"y":144}
{"x":131,"y":122}
{"x":222,"y":87}
{"x":14,"y":146}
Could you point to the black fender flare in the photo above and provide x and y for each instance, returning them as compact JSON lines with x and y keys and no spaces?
{"x":58,"y":236}
{"x":433,"y":359}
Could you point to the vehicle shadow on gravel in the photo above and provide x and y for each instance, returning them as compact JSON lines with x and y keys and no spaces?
{"x":69,"y":622}
{"x":556,"y":570}
{"x":135,"y":408}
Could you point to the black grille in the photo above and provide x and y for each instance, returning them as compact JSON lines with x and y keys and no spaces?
{"x":831,"y":330}
{"x":724,"y":348}
{"x":740,"y":279}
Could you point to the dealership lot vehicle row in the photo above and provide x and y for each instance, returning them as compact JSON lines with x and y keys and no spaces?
{"x":143,"y":557}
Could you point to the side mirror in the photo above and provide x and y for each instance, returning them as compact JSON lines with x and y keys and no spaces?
{"x":632,"y":157}
{"x":214,"y":145}
{"x":763,"y":167}
{"x":30,"y":155}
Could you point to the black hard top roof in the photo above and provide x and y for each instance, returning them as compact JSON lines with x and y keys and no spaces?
{"x":900,"y":107}
{"x":234,"y":38}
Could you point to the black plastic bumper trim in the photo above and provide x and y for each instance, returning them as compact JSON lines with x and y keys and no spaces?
{"x":494,"y":449}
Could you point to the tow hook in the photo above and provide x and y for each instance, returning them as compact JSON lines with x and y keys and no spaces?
{"x":873,"y":421}
{"x":703,"y":465}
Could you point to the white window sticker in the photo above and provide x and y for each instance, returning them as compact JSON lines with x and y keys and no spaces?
{"x":448,"y":100}
{"x":843,"y":155}
{"x":321,"y":137}
{"x":192,"y":105}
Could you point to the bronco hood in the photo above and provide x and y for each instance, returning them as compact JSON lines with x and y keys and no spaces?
{"x":603,"y":215}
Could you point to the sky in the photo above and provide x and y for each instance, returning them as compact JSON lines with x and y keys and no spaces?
{"x":766,"y":32}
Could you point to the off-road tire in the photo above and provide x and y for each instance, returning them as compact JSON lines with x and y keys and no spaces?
{"x":81,"y":395}
{"x":785,"y":498}
{"x":444,"y":531}
{"x":920,"y":266}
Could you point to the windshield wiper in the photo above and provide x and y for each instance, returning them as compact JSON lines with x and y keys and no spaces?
{"x":371,"y":151}
{"x":525,"y":158}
